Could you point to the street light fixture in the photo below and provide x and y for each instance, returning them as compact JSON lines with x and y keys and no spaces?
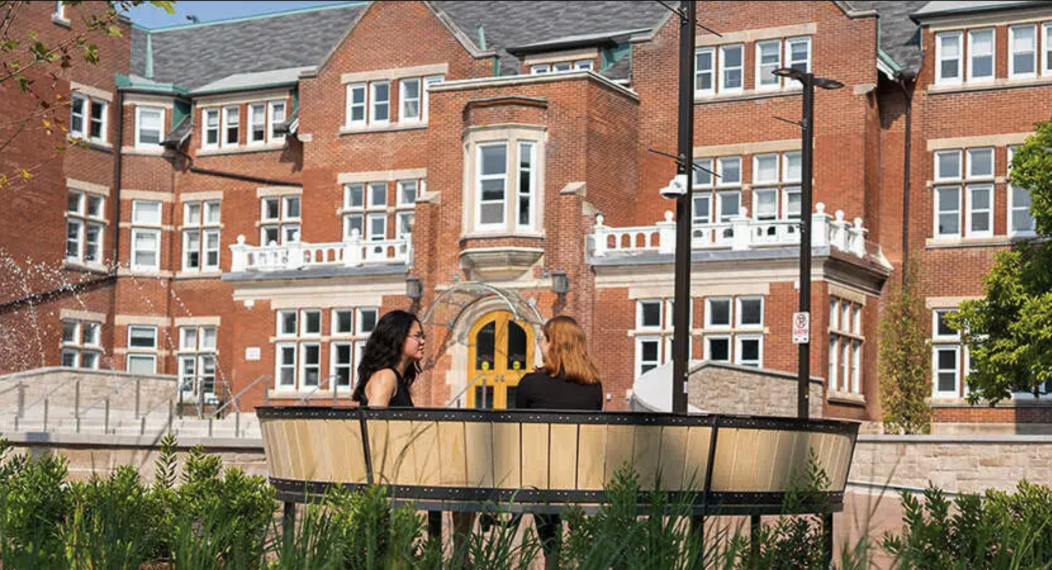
{"x":809,"y":81}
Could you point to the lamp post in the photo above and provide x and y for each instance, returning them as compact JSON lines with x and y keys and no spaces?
{"x":809,"y":81}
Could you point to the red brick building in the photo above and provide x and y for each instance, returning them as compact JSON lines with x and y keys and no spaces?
{"x":259,"y":190}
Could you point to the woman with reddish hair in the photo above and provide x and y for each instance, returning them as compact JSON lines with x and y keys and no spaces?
{"x":569,"y":380}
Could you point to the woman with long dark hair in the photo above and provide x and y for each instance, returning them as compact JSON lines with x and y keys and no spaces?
{"x":390,"y":362}
{"x":569,"y":380}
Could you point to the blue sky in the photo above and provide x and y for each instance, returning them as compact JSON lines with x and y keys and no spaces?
{"x":151,"y":17}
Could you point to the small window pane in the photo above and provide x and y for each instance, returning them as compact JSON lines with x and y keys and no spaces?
{"x":142,"y":337}
{"x":751,"y":311}
{"x":69,"y":331}
{"x":719,"y":349}
{"x":366,"y":320}
{"x":355,"y":196}
{"x":208,"y":338}
{"x":719,"y":312}
{"x":730,"y":171}
{"x":288,"y":323}
{"x":650,"y":314}
{"x":142,"y":364}
{"x":312,"y":322}
{"x":342,"y":322}
{"x":292,"y":207}
{"x":943,"y":327}
{"x":378,"y":194}
{"x":188,"y":340}
{"x":948,"y":165}
{"x":980,"y":163}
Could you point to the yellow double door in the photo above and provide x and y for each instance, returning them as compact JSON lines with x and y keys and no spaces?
{"x":500,"y":353}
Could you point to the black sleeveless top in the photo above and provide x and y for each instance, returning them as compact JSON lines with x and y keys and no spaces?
{"x":401,"y":397}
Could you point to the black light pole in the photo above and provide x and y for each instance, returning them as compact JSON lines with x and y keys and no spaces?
{"x":681,"y":322}
{"x":809,"y":81}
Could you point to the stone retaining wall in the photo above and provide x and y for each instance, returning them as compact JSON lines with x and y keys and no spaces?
{"x":59,"y":387}
{"x":729,"y":389}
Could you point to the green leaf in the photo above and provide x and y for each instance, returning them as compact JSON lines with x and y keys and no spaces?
{"x":23,"y":83}
{"x":91,"y":54}
{"x":114,"y":31}
{"x":166,"y":5}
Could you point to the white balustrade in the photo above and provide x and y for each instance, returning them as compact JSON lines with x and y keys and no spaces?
{"x":295,"y":254}
{"x":739,"y":234}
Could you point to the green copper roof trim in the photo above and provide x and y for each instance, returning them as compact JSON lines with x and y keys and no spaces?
{"x":252,"y":87}
{"x":127,"y":83}
{"x":887,"y":59}
{"x":482,"y":38}
{"x":149,"y":57}
{"x":249,"y":18}
{"x":180,"y":110}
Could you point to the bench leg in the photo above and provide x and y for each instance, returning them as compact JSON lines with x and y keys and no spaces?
{"x":288,"y":519}
{"x":827,"y":539}
{"x":754,"y":536}
{"x":434,"y":525}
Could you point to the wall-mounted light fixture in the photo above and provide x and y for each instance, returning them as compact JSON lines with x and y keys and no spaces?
{"x":560,"y":283}
{"x":414,"y":288}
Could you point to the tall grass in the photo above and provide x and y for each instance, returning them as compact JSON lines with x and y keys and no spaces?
{"x":198,"y":515}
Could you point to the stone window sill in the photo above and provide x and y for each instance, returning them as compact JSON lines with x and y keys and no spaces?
{"x":86,"y":267}
{"x":64,"y":22}
{"x":846,"y":399}
{"x":241,"y":149}
{"x":745,"y":96}
{"x":997,"y":84}
{"x":995,"y":241}
{"x":93,"y":144}
{"x":345,"y":130}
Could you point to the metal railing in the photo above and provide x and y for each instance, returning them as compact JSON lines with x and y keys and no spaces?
{"x":327,"y":380}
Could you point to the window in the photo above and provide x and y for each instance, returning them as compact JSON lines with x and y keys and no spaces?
{"x":947,"y":212}
{"x":728,"y":205}
{"x":948,"y":57}
{"x":540,"y":69}
{"x":381,"y":102}
{"x":731,"y":63}
{"x":704,"y":68}
{"x":87,"y":118}
{"x":298,"y":365}
{"x":286,"y":366}
{"x":365,"y":320}
{"x":750,"y":311}
{"x":342,"y":366}
{"x":356,"y":104}
{"x":584,"y":64}
{"x":845,"y":346}
{"x":354,"y":208}
{"x":410,"y":99}
{"x":277,"y":116}
{"x":947,"y":372}
{"x":85,"y":227}
{"x":287,"y":323}
{"x":405,"y":222}
{"x":718,"y":348}
{"x":729,"y":169}
{"x":376,"y":229}
{"x":378,"y":195}
{"x":749,"y":350}
{"x":980,"y":163}
{"x":492,"y":184}
{"x":717,"y":312}
{"x":527,"y":160}
{"x":428,"y":81}
{"x":231,"y":121}
{"x":702,"y":210}
{"x":149,"y":123}
{"x":81,"y":344}
{"x":948,"y":165}
{"x":197,"y":362}
{"x":1020,"y":220}
{"x":648,"y":354}
{"x":654,"y":321}
{"x":941,"y":326}
{"x":142,"y":349}
{"x":768,"y":59}
{"x":257,"y":127}
{"x":648,"y":314}
{"x":211,"y":128}
{"x":60,"y":10}
{"x":342,"y":322}
{"x":562,"y":66}
{"x":201,"y":236}
{"x":793,"y":166}
{"x":981,"y":55}
{"x":979,"y":221}
{"x":280,"y":217}
{"x":146,"y":241}
{"x":765,"y":204}
{"x":1046,"y":55}
{"x":1022,"y":48}
{"x":798,"y":52}
{"x":310,"y":363}
{"x":407,"y":192}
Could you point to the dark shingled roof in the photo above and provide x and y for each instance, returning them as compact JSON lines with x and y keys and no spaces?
{"x":899,"y":35}
{"x":195,"y":55}
{"x":512,"y":24}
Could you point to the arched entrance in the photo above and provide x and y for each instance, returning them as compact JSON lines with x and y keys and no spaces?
{"x":500,"y":353}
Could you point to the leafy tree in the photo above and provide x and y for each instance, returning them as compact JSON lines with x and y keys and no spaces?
{"x":905,"y":358}
{"x":1009,"y":331}
{"x":38,"y":67}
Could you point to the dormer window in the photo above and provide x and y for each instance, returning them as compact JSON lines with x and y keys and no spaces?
{"x":561,"y":66}
{"x":149,"y":126}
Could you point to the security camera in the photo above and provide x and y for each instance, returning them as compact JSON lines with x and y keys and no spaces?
{"x":676,"y":187}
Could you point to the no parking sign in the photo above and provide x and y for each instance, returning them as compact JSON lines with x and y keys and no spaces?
{"x":801,"y":328}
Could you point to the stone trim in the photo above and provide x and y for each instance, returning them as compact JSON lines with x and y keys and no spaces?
{"x":381,"y":175}
{"x":956,"y":143}
{"x":147,"y":195}
{"x":144,"y":100}
{"x":517,"y":80}
{"x":242,"y":98}
{"x":369,"y":293}
{"x":91,"y":187}
{"x":995,"y":241}
{"x":73,"y":314}
{"x":574,"y":189}
{"x":242,"y":149}
{"x":201,"y":196}
{"x":197,"y":321}
{"x":146,"y":320}
{"x":561,"y":56}
{"x":91,"y":91}
{"x":947,"y":302}
{"x":955,"y":22}
{"x":758,"y":34}
{"x":749,"y":369}
{"x":395,"y":74}
{"x":142,"y":151}
{"x":700,"y":291}
{"x":747,"y":148}
{"x":848,"y":294}
{"x":266,"y":191}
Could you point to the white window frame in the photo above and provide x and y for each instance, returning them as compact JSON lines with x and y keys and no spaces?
{"x":707,"y":164}
{"x":786,"y":169}
{"x":1011,"y":52}
{"x":231,"y":117}
{"x":335,"y":319}
{"x":789,"y":61}
{"x":142,"y":351}
{"x":708,"y":313}
{"x":188,"y":251}
{"x":103,"y":120}
{"x":212,"y":111}
{"x":136,"y":210}
{"x":639,"y":315}
{"x":972,"y":152}
{"x":583,"y":65}
{"x":756,"y":180}
{"x":403,"y":99}
{"x":721,"y":164}
{"x":707,"y":351}
{"x":1012,"y":189}
{"x":358,"y":320}
{"x":351,"y":105}
{"x":738,"y":311}
{"x":640,"y":363}
{"x":769,"y":215}
{"x":723,"y":195}
{"x":787,"y":193}
{"x":540,"y":69}
{"x":404,"y":221}
{"x":280,"y":332}
{"x":993,"y":55}
{"x":141,"y":356}
{"x":279,"y":366}
{"x":960,"y":165}
{"x":702,"y":214}
{"x":335,"y":366}
{"x":972,"y":209}
{"x":479,"y":178}
{"x":833,"y":374}
{"x":741,"y":338}
{"x":60,"y":10}
{"x":759,"y":75}
{"x":530,"y":194}
{"x":85,"y":111}
{"x":723,"y":69}
{"x":304,"y":366}
{"x":140,"y":126}
{"x":401,"y":187}
{"x":956,"y":337}
{"x":939,"y":78}
{"x":272,"y":107}
{"x":834,"y":314}
{"x":303,"y":332}
{"x":711,"y":71}
{"x":371,"y":235}
{"x":562,"y":66}
{"x":936,"y":392}
{"x":372,"y":203}
{"x":1046,"y":53}
{"x":252,"y":124}
{"x":856,"y":368}
{"x":135,"y":264}
{"x":375,"y":103}
{"x":938,"y":192}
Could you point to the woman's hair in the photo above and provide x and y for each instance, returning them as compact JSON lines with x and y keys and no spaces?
{"x":568,"y":352}
{"x":384,"y":350}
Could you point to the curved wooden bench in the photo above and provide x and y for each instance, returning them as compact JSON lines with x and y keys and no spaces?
{"x":470,"y":460}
